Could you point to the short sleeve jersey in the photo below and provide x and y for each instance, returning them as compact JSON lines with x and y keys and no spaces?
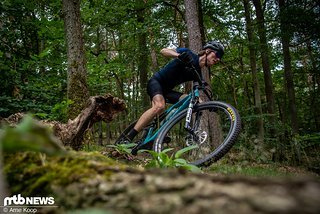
{"x":176,"y":73}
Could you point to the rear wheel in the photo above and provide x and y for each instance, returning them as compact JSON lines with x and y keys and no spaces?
{"x":215,"y":128}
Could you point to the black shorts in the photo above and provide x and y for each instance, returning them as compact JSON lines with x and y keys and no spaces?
{"x":154,"y":87}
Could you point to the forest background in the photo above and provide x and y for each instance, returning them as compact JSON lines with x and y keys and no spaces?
{"x":270,"y":71}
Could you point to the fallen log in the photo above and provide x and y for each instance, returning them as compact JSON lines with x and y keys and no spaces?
{"x":99,"y":108}
{"x":90,"y":182}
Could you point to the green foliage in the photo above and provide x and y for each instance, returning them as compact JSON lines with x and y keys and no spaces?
{"x":258,"y":170}
{"x":123,"y":148}
{"x":163,"y":160}
{"x":31,"y":56}
{"x":59,"y":111}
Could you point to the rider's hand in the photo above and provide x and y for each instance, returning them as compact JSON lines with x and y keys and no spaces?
{"x":186,"y":58}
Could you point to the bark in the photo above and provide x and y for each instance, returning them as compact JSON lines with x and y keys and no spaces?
{"x":143,"y":63}
{"x":254,"y":73}
{"x":77,"y":89}
{"x":193,"y":25}
{"x":285,"y":38}
{"x":265,"y":60}
{"x":154,"y":59}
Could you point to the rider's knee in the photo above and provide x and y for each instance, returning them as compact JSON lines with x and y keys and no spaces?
{"x":159,"y":108}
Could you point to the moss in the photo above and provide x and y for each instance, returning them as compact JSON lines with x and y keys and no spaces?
{"x":32,"y":174}
{"x":256,"y":170}
{"x":78,"y":93}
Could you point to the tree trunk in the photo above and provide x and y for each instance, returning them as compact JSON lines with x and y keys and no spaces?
{"x":143,"y":64}
{"x":212,"y":124}
{"x":193,"y":25}
{"x":194,"y":33}
{"x":314,"y":82}
{"x":154,"y":59}
{"x":265,"y":60}
{"x":77,"y":73}
{"x":285,"y":38}
{"x":253,"y":65}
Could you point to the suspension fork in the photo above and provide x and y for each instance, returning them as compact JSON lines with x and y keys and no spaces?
{"x":194,"y":100}
{"x":188,"y":126}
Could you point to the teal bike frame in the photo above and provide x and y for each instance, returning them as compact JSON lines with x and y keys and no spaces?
{"x":159,"y":123}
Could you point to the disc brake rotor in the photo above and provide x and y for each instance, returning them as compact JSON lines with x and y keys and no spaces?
{"x":198,"y":138}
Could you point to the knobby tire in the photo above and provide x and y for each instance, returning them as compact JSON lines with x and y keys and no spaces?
{"x":227,"y":114}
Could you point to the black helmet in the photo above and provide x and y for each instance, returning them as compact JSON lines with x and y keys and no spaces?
{"x":216,"y":46}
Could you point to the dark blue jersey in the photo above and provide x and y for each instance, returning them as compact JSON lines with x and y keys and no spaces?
{"x":175,"y":72}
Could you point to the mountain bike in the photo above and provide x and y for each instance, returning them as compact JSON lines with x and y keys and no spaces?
{"x":210,"y":127}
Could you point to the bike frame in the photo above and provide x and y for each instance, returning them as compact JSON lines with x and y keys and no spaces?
{"x":186,"y":103}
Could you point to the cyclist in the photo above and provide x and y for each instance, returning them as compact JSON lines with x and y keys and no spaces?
{"x":160,"y":86}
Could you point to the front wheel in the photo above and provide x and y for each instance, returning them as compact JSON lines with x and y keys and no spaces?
{"x":215,"y":127}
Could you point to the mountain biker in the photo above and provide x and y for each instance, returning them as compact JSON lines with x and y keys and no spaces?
{"x":160,"y":86}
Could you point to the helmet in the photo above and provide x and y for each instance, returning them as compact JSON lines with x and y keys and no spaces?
{"x":216,"y":46}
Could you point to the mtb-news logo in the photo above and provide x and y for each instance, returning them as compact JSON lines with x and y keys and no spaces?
{"x":19,"y":204}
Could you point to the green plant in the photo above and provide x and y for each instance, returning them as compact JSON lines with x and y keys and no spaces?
{"x":123,"y":148}
{"x":163,"y":160}
{"x":59,"y":111}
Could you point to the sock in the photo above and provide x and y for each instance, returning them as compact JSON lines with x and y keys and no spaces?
{"x":132,"y":133}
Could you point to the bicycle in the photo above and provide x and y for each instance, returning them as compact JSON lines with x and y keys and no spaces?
{"x":211,"y":127}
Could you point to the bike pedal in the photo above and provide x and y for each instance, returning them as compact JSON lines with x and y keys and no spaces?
{"x":124,"y":140}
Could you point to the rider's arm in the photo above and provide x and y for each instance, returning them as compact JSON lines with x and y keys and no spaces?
{"x":168,"y":52}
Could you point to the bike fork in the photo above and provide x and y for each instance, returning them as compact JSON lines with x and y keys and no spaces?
{"x":196,"y":122}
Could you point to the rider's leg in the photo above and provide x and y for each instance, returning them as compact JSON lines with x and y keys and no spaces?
{"x":158,"y":106}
